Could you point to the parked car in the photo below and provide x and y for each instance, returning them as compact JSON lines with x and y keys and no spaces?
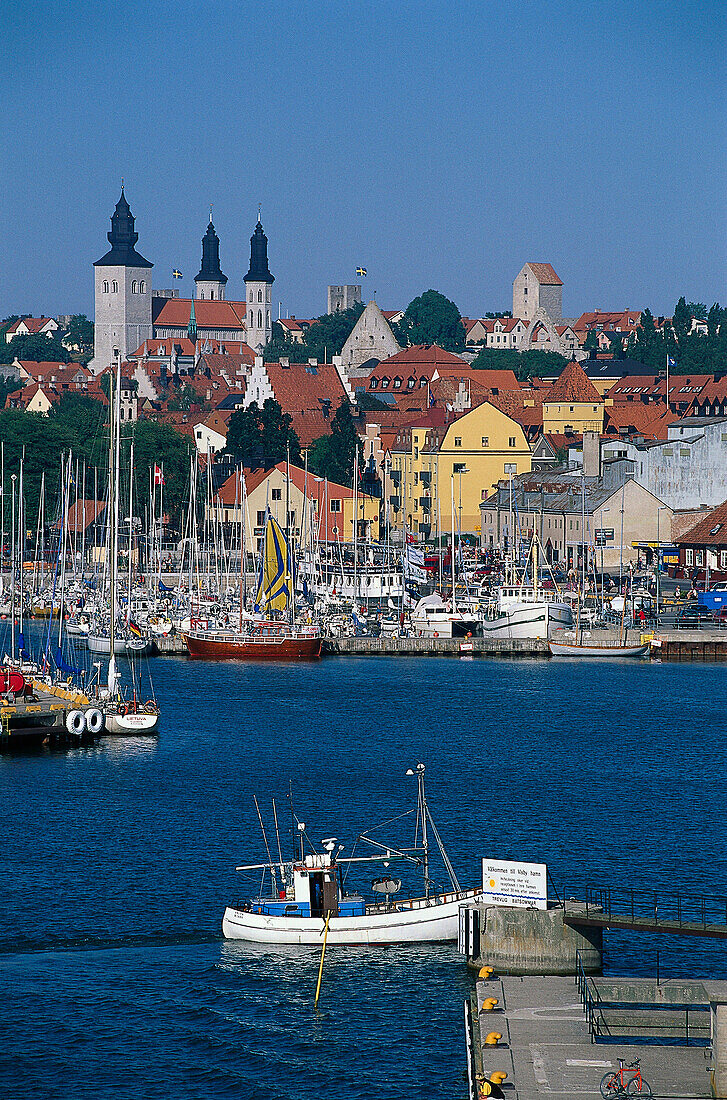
{"x":690,"y":616}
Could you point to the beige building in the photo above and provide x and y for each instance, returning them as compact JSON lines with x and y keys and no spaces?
{"x":318,"y":507}
{"x":371,"y":338}
{"x":537,"y":287}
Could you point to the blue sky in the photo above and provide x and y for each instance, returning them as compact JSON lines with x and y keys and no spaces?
{"x":439,"y":145}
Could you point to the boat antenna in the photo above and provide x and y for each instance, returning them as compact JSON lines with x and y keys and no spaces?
{"x":265,"y":838}
{"x":422,"y":816}
{"x":277,"y":833}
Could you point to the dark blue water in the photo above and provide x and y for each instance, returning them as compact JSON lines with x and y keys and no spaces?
{"x":117,"y":861}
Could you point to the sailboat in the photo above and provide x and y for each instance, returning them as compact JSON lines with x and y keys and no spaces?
{"x":263,"y":638}
{"x":526,"y":610}
{"x":308,"y":893}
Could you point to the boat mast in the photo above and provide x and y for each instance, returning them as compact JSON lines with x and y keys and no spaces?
{"x":114,"y":463}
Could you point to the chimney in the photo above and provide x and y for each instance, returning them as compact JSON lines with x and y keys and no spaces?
{"x":591,"y":454}
{"x":312,"y":362}
{"x":285,"y":363}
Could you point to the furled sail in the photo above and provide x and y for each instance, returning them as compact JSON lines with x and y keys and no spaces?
{"x":273,"y":591}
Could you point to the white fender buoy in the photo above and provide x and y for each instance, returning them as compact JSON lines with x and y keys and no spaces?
{"x":94,"y":720}
{"x":76,"y":722}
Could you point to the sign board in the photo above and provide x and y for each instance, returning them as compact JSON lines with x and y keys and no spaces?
{"x":524,"y":885}
{"x":605,"y":533}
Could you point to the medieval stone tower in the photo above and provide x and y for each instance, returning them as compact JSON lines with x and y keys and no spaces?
{"x":122,"y":292}
{"x":258,"y":284}
{"x":210,"y":282}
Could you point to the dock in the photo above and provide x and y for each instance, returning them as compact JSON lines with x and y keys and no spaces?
{"x":547,"y":1044}
{"x":436,"y":647}
{"x":39,"y":716}
{"x":690,"y":645}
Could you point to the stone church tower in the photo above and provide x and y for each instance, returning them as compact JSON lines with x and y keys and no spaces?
{"x":211,"y":282}
{"x":258,"y":283}
{"x":122,"y":292}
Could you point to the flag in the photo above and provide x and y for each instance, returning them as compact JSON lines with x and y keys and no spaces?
{"x":361,"y":271}
{"x":176,"y":274}
{"x":414,"y":564}
{"x":158,"y":475}
{"x":134,"y":629}
{"x":670,"y":362}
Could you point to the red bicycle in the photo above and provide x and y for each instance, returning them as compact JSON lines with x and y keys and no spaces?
{"x":615,"y":1084}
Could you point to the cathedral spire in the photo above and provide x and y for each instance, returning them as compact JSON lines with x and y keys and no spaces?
{"x":259,"y":271}
{"x":122,"y":237}
{"x":210,"y":272}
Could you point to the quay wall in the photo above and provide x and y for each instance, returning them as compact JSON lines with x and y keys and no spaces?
{"x":535,"y":941}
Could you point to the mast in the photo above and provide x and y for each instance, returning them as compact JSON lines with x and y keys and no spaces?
{"x":355,"y":526}
{"x":291,"y":592}
{"x":12,"y":573}
{"x":131,"y":513}
{"x":454,"y":597}
{"x":114,"y":456}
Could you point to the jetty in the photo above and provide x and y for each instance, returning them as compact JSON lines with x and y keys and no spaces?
{"x":38,"y":716}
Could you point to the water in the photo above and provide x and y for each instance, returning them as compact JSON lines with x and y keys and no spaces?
{"x":117,"y":862}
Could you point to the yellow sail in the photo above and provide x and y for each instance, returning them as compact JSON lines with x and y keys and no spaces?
{"x":273,"y":590}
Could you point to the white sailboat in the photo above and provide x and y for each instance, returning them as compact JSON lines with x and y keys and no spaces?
{"x":308,"y":893}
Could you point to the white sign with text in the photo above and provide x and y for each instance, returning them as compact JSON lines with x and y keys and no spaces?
{"x":524,"y":885}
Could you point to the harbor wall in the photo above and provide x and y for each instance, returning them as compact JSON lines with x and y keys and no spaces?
{"x":535,"y":941}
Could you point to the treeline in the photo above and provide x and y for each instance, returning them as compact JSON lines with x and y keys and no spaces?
{"x":694,"y":352}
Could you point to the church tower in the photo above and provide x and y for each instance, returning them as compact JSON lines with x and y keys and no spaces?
{"x":210,"y":281}
{"x":258,"y":283}
{"x":122,"y":292}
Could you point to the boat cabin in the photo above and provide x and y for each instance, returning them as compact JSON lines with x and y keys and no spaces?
{"x":314,"y":888}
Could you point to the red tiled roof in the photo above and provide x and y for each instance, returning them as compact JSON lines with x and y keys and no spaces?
{"x":545,"y":274}
{"x":229,"y":492}
{"x":422,"y":355}
{"x":82,"y":513}
{"x":33,"y":324}
{"x":710,"y":531}
{"x":622,"y":320}
{"x":302,"y":386}
{"x":175,"y":313}
{"x":573,"y":384}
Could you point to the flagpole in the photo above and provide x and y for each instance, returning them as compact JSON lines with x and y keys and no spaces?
{"x":667,"y":381}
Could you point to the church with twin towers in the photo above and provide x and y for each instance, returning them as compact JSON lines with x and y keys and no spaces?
{"x":129,"y":312}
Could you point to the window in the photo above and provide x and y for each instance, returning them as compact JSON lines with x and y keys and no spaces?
{"x":458,"y":441}
{"x":459,"y":467}
{"x":250,"y":295}
{"x":485,"y":441}
{"x":700,"y":557}
{"x":422,"y":382}
{"x":411,"y":383}
{"x":512,"y":441}
{"x":373,"y":383}
{"x":397,"y":383}
{"x":260,"y":519}
{"x":105,"y":286}
{"x":277,"y":494}
{"x":134,"y":285}
{"x":212,"y":294}
{"x":384,"y":383}
{"x":259,"y":295}
{"x":335,"y":506}
{"x":723,"y":559}
{"x":227,"y":516}
{"x":199,"y":433}
{"x":114,"y":287}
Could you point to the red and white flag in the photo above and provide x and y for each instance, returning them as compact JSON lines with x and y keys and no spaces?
{"x":158,"y":475}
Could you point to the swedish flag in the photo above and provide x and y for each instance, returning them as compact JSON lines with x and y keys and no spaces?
{"x":361,"y":271}
{"x":176,"y":274}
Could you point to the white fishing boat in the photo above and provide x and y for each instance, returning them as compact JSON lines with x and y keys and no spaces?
{"x":524,"y":609}
{"x":308,"y":893}
{"x":433,"y":618}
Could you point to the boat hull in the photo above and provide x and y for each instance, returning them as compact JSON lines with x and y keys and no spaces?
{"x":563,"y":649}
{"x":533,"y":620}
{"x":435,"y":922}
{"x":242,"y":649}
{"x":126,"y":724}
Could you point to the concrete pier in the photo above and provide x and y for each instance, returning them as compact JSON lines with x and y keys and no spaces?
{"x":534,"y":941}
{"x":546,"y":1045}
{"x":437,"y":647}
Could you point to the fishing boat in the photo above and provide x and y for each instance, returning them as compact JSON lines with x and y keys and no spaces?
{"x":524,"y":609}
{"x":308,"y":892}
{"x":261,"y":637}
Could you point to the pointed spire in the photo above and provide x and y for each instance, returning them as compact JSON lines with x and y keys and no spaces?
{"x":192,"y":326}
{"x":122,"y":237}
{"x":210,"y":271}
{"x":259,"y":271}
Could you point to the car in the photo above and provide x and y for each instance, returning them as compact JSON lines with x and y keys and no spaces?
{"x":691,"y":615}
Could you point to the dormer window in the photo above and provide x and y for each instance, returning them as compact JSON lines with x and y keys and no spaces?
{"x":397,"y":383}
{"x":373,"y":384}
{"x":411,"y":383}
{"x":384,"y":383}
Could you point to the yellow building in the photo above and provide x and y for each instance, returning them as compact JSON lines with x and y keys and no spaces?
{"x":318,"y":507}
{"x":573,"y":405}
{"x":433,"y":463}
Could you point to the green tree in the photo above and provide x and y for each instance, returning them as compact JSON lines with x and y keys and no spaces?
{"x":330,"y":332}
{"x":37,"y":348}
{"x":333,"y":456}
{"x":698,"y":310}
{"x":280,"y":347}
{"x":591,"y":343}
{"x":8,"y":385}
{"x":617,"y":345}
{"x":682,"y":321}
{"x":261,"y":436}
{"x":184,"y":398}
{"x":524,"y":364}
{"x":79,"y":334}
{"x":432,"y":319}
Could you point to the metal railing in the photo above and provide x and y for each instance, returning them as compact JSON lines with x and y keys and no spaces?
{"x":653,"y":909}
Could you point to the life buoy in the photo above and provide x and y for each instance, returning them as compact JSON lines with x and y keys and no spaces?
{"x":123,"y":710}
{"x":436,"y":633}
{"x":76,"y":722}
{"x":94,"y":720}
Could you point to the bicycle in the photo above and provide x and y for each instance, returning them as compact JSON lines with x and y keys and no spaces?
{"x":612,"y":1084}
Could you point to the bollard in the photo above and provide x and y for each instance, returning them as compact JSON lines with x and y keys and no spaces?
{"x":490,"y":1004}
{"x":486,"y":972}
{"x":492,"y":1039}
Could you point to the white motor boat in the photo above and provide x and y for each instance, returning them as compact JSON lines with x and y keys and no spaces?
{"x":432,"y":618}
{"x":522,"y":611}
{"x":311,"y":896}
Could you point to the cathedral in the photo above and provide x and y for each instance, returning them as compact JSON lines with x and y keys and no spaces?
{"x":128,"y":311}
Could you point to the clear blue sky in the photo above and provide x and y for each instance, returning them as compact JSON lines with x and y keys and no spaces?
{"x":438,"y":144}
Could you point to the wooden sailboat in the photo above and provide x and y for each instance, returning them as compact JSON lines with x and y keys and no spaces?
{"x":265,"y":638}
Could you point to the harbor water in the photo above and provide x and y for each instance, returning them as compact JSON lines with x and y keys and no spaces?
{"x":117,"y":861}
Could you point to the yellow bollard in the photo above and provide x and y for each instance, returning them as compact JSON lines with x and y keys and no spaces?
{"x":490,"y":1004}
{"x":493,"y":1039}
{"x":498,"y":1077}
{"x":486,"y":972}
